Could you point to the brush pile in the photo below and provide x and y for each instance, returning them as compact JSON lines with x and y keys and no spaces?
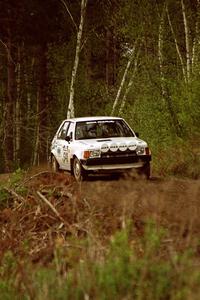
{"x":40,"y":210}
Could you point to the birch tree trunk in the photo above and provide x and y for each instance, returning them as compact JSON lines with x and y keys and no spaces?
{"x":123,"y":79}
{"x":187,"y":41}
{"x":164,"y":88}
{"x":70,"y":111}
{"x":130,"y":84}
{"x":177,"y":47}
{"x":196,"y":42}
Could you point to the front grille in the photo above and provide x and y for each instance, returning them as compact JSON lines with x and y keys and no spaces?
{"x":118,"y":153}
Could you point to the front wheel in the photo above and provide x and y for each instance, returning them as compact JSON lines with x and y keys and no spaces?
{"x":145,"y":171}
{"x":79,"y":173}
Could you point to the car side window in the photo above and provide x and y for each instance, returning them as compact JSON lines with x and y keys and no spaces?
{"x":63,"y":131}
{"x":70,"y":130}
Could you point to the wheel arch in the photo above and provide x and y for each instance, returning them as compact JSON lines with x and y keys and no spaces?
{"x":54,"y":163}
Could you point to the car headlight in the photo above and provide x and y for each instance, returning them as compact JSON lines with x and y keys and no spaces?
{"x":141,"y":150}
{"x":91,"y":153}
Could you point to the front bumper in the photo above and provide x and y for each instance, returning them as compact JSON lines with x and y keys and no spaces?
{"x":115,"y":162}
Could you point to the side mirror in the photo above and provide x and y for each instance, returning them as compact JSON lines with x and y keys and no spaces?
{"x":68,"y":138}
{"x":137,"y":134}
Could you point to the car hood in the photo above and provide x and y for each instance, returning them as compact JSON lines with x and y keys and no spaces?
{"x":113,"y":144}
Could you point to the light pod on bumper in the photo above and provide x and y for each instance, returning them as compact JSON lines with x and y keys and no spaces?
{"x":123,"y":147}
{"x":132,"y":146}
{"x":104,"y":148}
{"x":113,"y":147}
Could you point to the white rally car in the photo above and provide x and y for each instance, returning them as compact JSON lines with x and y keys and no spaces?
{"x":98,"y":144}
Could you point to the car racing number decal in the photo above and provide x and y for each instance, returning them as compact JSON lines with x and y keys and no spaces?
{"x":58,"y":151}
{"x":65,"y":154}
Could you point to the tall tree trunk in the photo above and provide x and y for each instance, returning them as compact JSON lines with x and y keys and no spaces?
{"x":196,"y":42}
{"x":177,"y":47}
{"x":70,"y":111}
{"x":42,"y":102}
{"x":130,"y":84}
{"x":164,"y":89}
{"x":35,"y":159}
{"x":87,"y":56}
{"x":17,"y":109}
{"x":187,"y":41}
{"x":123,"y":79}
{"x":27,"y":86}
{"x":8,"y":115}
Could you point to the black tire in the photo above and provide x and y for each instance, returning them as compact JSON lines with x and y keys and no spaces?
{"x":54,"y":164}
{"x":79,"y":173}
{"x":145,"y":171}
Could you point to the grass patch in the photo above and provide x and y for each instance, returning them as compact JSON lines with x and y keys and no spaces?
{"x":128,"y":270}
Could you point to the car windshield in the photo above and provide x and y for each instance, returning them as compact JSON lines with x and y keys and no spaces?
{"x":102,"y":129}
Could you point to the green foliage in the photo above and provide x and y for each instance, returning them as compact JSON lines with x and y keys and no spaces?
{"x":16,"y":180}
{"x":149,"y":115}
{"x":14,"y":183}
{"x":129,"y":269}
{"x":16,"y":177}
{"x":7,"y":292}
{"x":8,"y":265}
{"x":7,"y":275}
{"x":4,"y":196}
{"x":114,"y":277}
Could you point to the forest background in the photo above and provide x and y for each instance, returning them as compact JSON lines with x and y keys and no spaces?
{"x":137,"y":59}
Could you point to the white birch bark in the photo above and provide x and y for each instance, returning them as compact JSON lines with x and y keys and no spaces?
{"x":70,"y":111}
{"x":123,"y":79}
{"x":196,"y":41}
{"x":68,"y":11}
{"x":165,"y":93}
{"x":130,"y":84}
{"x":177,"y":47}
{"x":187,"y":41}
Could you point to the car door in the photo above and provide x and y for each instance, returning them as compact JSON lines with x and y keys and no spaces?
{"x":61,"y":143}
{"x":65,"y":146}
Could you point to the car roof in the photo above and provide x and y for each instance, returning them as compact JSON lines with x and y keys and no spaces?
{"x":82,"y":119}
